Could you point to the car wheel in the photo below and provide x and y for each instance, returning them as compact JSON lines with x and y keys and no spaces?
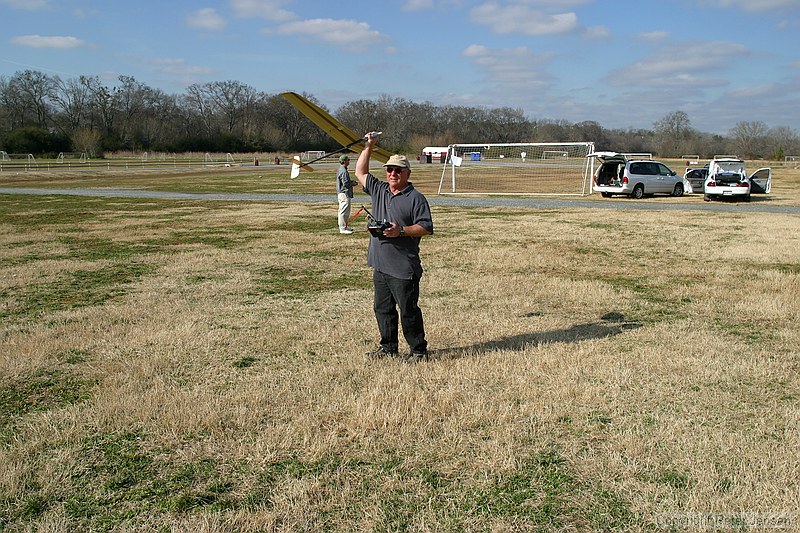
{"x":678,"y":190}
{"x":638,"y":192}
{"x":606,"y":194}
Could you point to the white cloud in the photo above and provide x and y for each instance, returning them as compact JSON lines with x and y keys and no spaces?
{"x":766,"y":90}
{"x":179,"y":66}
{"x":348,"y":34}
{"x":555,"y":4}
{"x":689,"y":65}
{"x":53,"y":41}
{"x":597,"y":32}
{"x":522,"y":18}
{"x":206,"y":19}
{"x":754,"y":5}
{"x":653,"y":36}
{"x":421,"y":5}
{"x":511,"y":69}
{"x":31,"y":5}
{"x":417,"y":5}
{"x":788,"y":24}
{"x":271,"y":10}
{"x":83,"y":13}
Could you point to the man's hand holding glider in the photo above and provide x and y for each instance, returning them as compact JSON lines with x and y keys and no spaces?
{"x":362,"y":165}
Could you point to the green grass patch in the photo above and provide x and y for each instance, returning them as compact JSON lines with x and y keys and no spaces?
{"x":299,"y":281}
{"x":103,"y":249}
{"x":540,"y":495}
{"x":245,"y":362}
{"x":73,"y":356}
{"x":787,"y":268}
{"x":40,"y":391}
{"x":749,"y":332}
{"x":80,"y":288}
{"x":31,"y":212}
{"x":652,"y":303}
{"x":121,"y":479}
{"x":85,"y":249}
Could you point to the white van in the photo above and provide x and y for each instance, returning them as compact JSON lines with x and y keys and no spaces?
{"x":635,"y":177}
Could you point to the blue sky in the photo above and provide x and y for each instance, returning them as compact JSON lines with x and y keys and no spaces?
{"x":622,"y":63}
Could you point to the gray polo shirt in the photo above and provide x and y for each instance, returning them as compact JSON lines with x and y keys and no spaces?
{"x":397,"y":257}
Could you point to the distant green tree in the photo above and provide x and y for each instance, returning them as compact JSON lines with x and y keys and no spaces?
{"x":33,"y":141}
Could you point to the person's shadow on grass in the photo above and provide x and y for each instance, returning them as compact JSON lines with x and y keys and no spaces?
{"x":610,"y":324}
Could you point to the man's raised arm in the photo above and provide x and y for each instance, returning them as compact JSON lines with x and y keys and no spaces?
{"x":362,"y":165}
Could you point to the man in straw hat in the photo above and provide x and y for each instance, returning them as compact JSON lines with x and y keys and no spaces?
{"x":394,"y":254}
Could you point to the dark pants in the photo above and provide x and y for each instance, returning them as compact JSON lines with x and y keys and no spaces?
{"x":392,"y":294}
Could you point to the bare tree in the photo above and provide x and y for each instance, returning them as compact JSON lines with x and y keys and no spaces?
{"x":362,"y":116}
{"x":130,"y":102}
{"x":782,"y":141}
{"x":749,"y":138}
{"x":199,"y":102}
{"x":87,"y":141}
{"x":32,"y":92}
{"x":674,"y":133}
{"x":590,"y":131}
{"x":159,"y":124}
{"x":73,"y":100}
{"x":510,"y":125}
{"x":232,"y":101}
{"x":298,"y":132}
{"x":8,"y":107}
{"x":103,"y":110}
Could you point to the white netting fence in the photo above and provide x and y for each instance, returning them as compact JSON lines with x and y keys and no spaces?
{"x":518,"y":168}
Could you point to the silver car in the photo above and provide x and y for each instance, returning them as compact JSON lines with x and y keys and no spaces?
{"x":617,"y":174}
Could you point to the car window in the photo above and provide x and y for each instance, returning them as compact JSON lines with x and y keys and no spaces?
{"x":697,"y":174}
{"x":663,"y":170}
{"x":640,"y":168}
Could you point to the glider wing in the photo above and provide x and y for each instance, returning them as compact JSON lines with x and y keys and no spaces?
{"x":341,"y":133}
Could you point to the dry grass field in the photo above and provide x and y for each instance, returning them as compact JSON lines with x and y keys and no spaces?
{"x":182,"y":365}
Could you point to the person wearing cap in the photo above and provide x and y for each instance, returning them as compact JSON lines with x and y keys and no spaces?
{"x":394,"y":256}
{"x":344,"y":192}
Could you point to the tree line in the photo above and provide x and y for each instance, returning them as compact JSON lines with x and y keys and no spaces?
{"x":45,"y":114}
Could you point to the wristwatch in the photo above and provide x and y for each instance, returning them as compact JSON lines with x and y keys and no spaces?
{"x":402,"y":231}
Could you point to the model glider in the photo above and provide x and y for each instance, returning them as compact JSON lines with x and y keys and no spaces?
{"x":297,"y":164}
{"x":341,"y":133}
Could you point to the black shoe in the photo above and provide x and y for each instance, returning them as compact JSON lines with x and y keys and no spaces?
{"x":416,"y":357}
{"x":380,"y":353}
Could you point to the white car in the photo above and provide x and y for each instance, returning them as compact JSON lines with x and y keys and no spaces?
{"x":727,"y":178}
{"x":696,"y":176}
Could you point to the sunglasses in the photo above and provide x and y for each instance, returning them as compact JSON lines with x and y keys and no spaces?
{"x":395,"y":170}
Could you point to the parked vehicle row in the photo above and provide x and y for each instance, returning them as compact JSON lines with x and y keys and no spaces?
{"x":727,"y":177}
{"x":722,"y":177}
